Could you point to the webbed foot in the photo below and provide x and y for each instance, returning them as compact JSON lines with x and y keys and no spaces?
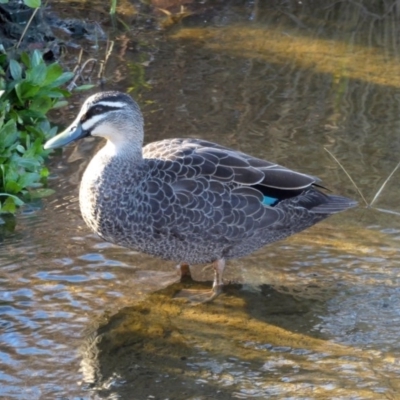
{"x":198,"y":296}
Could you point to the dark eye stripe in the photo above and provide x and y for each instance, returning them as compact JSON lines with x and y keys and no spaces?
{"x":97,"y":110}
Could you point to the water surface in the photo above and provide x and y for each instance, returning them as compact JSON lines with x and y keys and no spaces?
{"x":313,"y":317}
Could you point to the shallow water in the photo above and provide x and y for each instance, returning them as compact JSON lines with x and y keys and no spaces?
{"x":313,"y":317}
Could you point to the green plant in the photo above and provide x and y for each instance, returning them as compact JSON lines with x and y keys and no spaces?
{"x":28,"y":90}
{"x":113,"y":7}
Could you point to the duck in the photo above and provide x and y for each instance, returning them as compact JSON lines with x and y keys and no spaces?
{"x":186,"y":200}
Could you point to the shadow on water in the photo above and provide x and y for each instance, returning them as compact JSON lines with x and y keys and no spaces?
{"x":313,"y":317}
{"x":261,"y":340}
{"x":252,"y":342}
{"x":168,"y":346}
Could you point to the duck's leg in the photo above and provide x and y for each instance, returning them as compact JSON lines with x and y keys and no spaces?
{"x":219,"y":267}
{"x":196,"y":296}
{"x":184,"y":271}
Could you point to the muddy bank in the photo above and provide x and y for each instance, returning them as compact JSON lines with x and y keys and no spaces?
{"x":43,"y":29}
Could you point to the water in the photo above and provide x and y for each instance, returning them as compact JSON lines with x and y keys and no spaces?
{"x":313,"y":317}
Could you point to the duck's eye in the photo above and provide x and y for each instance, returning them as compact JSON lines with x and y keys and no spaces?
{"x":96,"y":110}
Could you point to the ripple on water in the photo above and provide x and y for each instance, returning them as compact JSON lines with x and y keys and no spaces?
{"x":333,"y":288}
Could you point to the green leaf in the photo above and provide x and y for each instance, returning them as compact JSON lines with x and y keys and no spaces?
{"x":12,"y":187}
{"x":41,"y":104}
{"x":36,"y":75}
{"x":113,"y":7}
{"x":20,"y":148}
{"x":25,"y":59}
{"x":3,"y":60}
{"x":8,"y":134}
{"x":60,"y":104}
{"x":49,"y":133}
{"x":33,"y":3}
{"x":39,"y":193}
{"x":27,"y":117}
{"x":44,"y":173}
{"x":9,"y":206}
{"x":36,"y":58}
{"x":28,"y":179}
{"x":52,"y":93}
{"x":84,"y":87}
{"x":11,"y":173}
{"x":3,"y":1}
{"x":10,"y":203}
{"x":26,"y":90}
{"x":46,"y":129}
{"x":36,"y":147}
{"x":15,"y":70}
{"x":64,"y":78}
{"x":29,"y":162}
{"x":53,"y":72}
{"x":17,"y":200}
{"x":34,"y":132}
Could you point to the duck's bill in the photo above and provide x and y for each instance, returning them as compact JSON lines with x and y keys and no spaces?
{"x":72,"y":133}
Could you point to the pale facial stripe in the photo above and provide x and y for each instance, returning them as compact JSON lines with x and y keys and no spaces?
{"x":111,"y":104}
{"x":90,"y":123}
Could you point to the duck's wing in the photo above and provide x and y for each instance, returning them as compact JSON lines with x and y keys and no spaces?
{"x":226,"y":165}
{"x":211,"y":181}
{"x":226,"y":194}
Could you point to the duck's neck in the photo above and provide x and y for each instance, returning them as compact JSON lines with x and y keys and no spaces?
{"x":112,"y":162}
{"x":111,"y":168}
{"x":128,"y":152}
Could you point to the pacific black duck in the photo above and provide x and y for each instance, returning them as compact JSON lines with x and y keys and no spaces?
{"x":186,"y":200}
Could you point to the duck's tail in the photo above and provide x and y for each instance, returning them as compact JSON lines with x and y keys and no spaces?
{"x":321,"y":203}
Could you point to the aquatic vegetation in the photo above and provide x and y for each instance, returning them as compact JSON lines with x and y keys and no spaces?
{"x":28,"y":90}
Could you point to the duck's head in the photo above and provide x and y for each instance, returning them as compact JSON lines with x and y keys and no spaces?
{"x":112,"y":115}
